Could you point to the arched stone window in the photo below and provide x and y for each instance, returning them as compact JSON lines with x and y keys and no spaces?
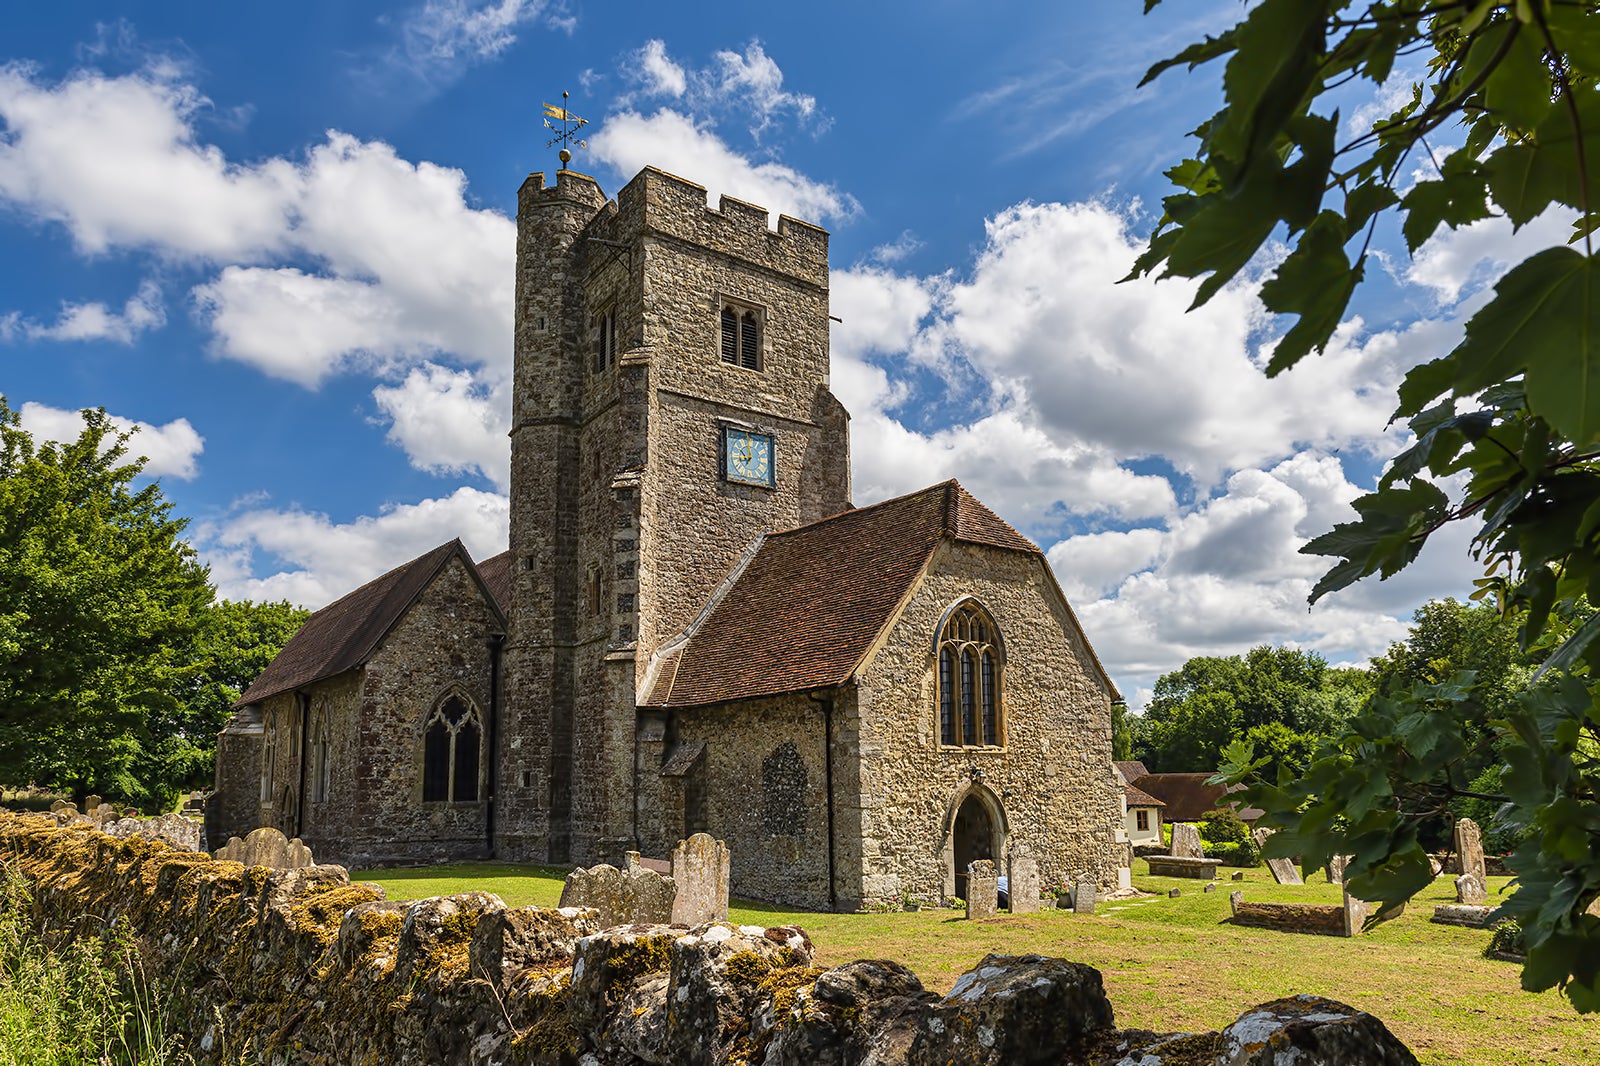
{"x":971,"y":669}
{"x":452,"y":745}
{"x":321,"y":759}
{"x":269,"y":753}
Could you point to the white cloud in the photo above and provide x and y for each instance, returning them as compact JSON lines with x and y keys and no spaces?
{"x":1455,"y":261}
{"x":630,"y":141}
{"x":166,"y":192}
{"x":659,"y":74}
{"x":320,"y":560}
{"x":447,"y":32}
{"x":744,"y":83}
{"x":172,"y":449}
{"x":353,"y":257}
{"x":94,"y":321}
{"x":448,"y":422}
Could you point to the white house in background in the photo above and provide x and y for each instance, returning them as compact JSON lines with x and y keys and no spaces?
{"x":1141,"y":811}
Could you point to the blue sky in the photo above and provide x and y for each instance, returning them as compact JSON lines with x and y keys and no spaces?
{"x":280,"y":238}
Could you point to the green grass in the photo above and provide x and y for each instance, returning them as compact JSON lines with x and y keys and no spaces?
{"x":1175,"y":964}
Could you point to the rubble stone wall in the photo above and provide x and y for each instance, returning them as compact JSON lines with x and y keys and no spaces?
{"x":303,"y":966}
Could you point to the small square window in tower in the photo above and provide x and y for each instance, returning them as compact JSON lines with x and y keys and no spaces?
{"x":741,"y":336}
{"x":748,"y":457}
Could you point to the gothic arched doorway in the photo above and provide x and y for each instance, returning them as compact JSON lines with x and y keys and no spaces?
{"x":973,"y":839}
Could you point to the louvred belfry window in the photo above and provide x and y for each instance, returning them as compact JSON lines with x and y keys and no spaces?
{"x":741,"y":337}
{"x":971,"y":669}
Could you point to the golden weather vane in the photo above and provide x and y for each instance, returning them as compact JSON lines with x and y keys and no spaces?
{"x":566,"y":126}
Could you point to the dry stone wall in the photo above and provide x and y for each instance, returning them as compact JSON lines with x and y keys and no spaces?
{"x":303,"y":966}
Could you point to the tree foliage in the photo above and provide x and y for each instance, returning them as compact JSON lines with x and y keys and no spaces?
{"x":1283,"y":698}
{"x":116,"y":670}
{"x":1506,"y":116}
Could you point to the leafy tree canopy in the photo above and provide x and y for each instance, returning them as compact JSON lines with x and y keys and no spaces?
{"x":116,"y":670}
{"x":1512,"y":412}
{"x":1284,"y":698}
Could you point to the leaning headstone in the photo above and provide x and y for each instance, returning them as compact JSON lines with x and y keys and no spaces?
{"x":621,"y":897}
{"x":90,"y":803}
{"x":267,"y":847}
{"x":1186,"y":842}
{"x":1336,"y":868}
{"x":1083,"y":897}
{"x":1023,"y":883}
{"x":983,"y":889}
{"x":1211,"y":887}
{"x":1469,"y":846}
{"x":700,"y":872}
{"x":1355,"y":914}
{"x":1472,"y":889}
{"x":1234,"y":899}
{"x":1284,"y":872}
{"x":1238,"y":875}
{"x":1260,"y":836}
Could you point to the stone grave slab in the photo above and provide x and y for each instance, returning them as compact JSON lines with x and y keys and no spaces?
{"x":983,"y":889}
{"x":267,"y":847}
{"x":1084,"y":897}
{"x":1472,"y":890}
{"x":1284,"y":872}
{"x":1022,"y":883}
{"x":1175,"y":866}
{"x":700,"y":872}
{"x":1186,"y":842}
{"x":620,"y":897}
{"x":1469,"y":847}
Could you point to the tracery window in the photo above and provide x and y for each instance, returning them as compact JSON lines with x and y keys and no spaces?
{"x":451,"y":752}
{"x":741,"y":336}
{"x":971,"y":668}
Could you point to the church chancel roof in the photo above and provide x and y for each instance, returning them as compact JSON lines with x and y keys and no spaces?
{"x":806,"y":607}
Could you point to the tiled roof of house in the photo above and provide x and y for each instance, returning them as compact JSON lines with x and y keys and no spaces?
{"x":345,"y":633}
{"x":1130,"y":769}
{"x":496,"y":574}
{"x":1140,"y":798}
{"x":1189,"y":798}
{"x":809,"y":603}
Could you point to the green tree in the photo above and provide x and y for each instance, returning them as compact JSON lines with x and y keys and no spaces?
{"x":1121,"y":734}
{"x":231,"y":645}
{"x":98,"y":597}
{"x":1514,"y":409}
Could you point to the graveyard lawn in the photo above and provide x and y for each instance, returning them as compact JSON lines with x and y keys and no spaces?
{"x":1177,"y":964}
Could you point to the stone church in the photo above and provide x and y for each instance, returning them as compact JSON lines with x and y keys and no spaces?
{"x":693,"y":628}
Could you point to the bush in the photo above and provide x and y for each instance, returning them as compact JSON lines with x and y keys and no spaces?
{"x":1245,"y":854}
{"x":1227,"y":838}
{"x":1507,"y":940}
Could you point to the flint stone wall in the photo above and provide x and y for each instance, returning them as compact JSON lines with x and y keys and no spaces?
{"x":303,"y":966}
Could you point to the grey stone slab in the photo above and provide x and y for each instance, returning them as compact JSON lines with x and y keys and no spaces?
{"x":1186,"y":842}
{"x":983,"y":890}
{"x":700,"y":868}
{"x":1469,"y":847}
{"x":1284,"y":872}
{"x":268,"y":847}
{"x":1471,"y":889}
{"x":1084,"y":896}
{"x":621,"y":897}
{"x":1022,"y":884}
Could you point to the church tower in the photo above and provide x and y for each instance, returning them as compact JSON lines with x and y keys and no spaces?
{"x":671,"y":404}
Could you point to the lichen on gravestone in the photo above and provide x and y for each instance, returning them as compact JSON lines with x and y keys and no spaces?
{"x":700,"y":871}
{"x":1186,"y":842}
{"x":983,"y":889}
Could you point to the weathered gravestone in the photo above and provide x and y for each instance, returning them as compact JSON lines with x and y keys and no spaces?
{"x":1083,"y":897}
{"x":621,"y":897}
{"x":1469,"y":847}
{"x":1186,"y":842}
{"x":1283,"y":870}
{"x":1022,"y":883}
{"x":1355,"y":914}
{"x":700,"y":873}
{"x":57,"y":806}
{"x":983,"y":889}
{"x":1336,"y":868}
{"x":90,"y":803}
{"x":1472,"y":889}
{"x":267,"y":847}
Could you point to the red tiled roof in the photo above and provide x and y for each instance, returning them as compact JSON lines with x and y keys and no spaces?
{"x":496,"y":574}
{"x":808,"y":605}
{"x":1188,"y":797}
{"x":1130,"y":769}
{"x":345,"y":633}
{"x":1139,"y":798}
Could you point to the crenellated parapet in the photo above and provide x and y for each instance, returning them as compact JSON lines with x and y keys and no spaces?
{"x":664,"y":205}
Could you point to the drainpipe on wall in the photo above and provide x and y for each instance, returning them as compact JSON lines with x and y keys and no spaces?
{"x":826,"y":702}
{"x":304,"y":701}
{"x":491,"y":775}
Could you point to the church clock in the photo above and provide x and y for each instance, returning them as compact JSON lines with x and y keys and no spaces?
{"x":747,"y":457}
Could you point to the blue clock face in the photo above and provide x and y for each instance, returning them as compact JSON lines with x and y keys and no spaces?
{"x":747,"y":456}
